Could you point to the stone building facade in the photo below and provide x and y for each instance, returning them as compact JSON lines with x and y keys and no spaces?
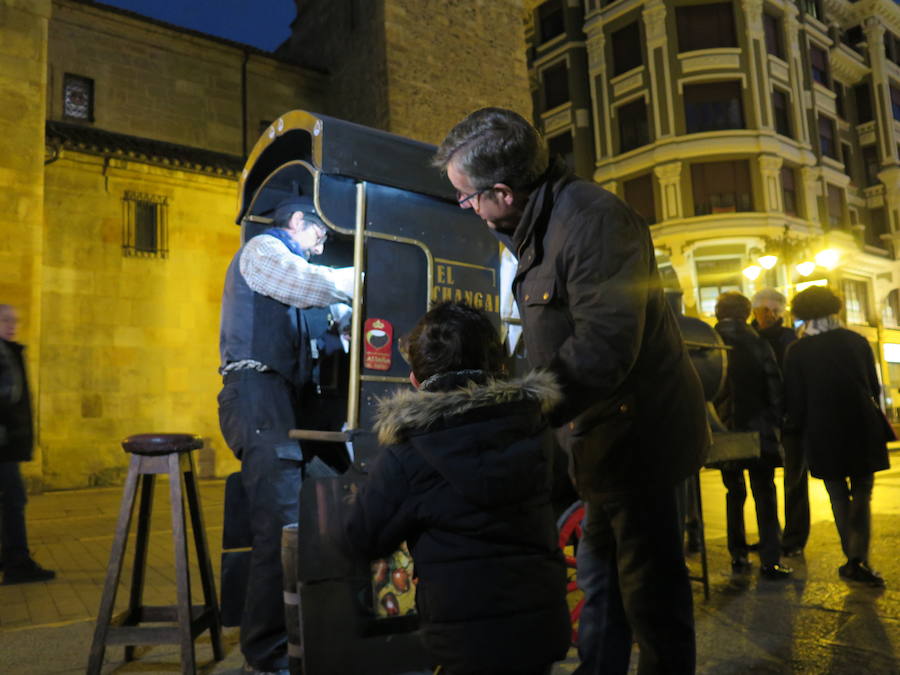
{"x":740,"y":128}
{"x":123,"y":139}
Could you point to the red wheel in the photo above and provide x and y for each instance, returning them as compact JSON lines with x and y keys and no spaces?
{"x":569,"y":526}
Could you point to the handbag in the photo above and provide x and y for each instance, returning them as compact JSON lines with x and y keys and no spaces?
{"x":732,"y":446}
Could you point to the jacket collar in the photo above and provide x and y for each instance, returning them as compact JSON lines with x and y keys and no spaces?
{"x":536,"y":215}
{"x":407,"y":411}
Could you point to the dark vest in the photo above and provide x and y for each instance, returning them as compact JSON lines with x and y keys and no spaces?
{"x":255,"y":326}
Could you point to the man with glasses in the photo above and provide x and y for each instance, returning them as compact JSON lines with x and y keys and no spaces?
{"x":632,"y":417}
{"x":266,"y":363}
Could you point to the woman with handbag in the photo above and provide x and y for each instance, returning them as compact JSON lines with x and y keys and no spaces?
{"x":831,"y":389}
{"x":750,"y":401}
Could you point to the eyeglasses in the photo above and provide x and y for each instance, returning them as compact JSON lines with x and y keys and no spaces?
{"x":464,"y":200}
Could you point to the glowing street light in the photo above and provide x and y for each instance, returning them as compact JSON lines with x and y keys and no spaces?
{"x":768,"y":261}
{"x":828,"y":258}
{"x":805,"y":268}
{"x":752,"y":272}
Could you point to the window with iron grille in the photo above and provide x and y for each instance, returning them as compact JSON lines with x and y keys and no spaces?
{"x":78,"y":98}
{"x":145,"y":225}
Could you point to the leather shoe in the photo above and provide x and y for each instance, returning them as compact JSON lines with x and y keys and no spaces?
{"x":25,"y":573}
{"x":740,"y":565}
{"x":775,"y":571}
{"x":857,"y":570}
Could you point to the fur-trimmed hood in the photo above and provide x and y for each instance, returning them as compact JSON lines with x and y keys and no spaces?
{"x":407,"y":412}
{"x":490,"y":441}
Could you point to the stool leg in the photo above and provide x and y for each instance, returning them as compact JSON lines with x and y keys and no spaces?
{"x":114,"y":570}
{"x":206,"y":575}
{"x":704,"y":565}
{"x":135,"y":602}
{"x":182,"y":574}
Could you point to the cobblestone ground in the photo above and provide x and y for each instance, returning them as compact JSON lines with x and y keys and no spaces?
{"x":815,"y":623}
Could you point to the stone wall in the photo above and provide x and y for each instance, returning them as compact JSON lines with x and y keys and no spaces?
{"x":129,"y":345}
{"x":158,"y":82}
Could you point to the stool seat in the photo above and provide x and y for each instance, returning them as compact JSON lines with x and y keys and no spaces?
{"x":161,"y":444}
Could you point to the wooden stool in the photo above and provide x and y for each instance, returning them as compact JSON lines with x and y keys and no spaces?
{"x":153,"y":454}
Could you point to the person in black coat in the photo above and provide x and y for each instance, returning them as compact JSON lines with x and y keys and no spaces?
{"x":831,"y":390}
{"x":751,"y":401}
{"x":16,"y":446}
{"x":464,"y":478}
{"x":768,"y":321}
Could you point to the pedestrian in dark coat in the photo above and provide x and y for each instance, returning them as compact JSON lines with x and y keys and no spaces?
{"x":751,"y":401}
{"x":16,"y":446}
{"x":768,"y":321}
{"x":464,"y":478}
{"x":633,"y":416}
{"x":831,"y":393}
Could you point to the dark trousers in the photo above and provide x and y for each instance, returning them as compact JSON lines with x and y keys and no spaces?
{"x":256,"y":411}
{"x":762,"y":484}
{"x":13,"y":535}
{"x":851,"y":505}
{"x":631,"y":569}
{"x":796,"y":494}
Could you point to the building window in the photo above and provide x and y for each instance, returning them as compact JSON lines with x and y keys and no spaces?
{"x":721,"y":187}
{"x":856,"y":301}
{"x":639,"y":195}
{"x":826,"y":137}
{"x":714,"y":277}
{"x":712,"y":106}
{"x":556,"y":85}
{"x":562,"y":145}
{"x":877,"y":226}
{"x":812,"y":8}
{"x":781,"y":111}
{"x":772,"y":28}
{"x":818,"y":61}
{"x":847,"y":159}
{"x":871,"y":164}
{"x":627,"y":48}
{"x":788,"y":190}
{"x":145,"y":225}
{"x":705,"y":26}
{"x":551,"y":20}
{"x":863,"y":103}
{"x":895,"y":102}
{"x":891,"y":314}
{"x":839,"y":95}
{"x":892,"y":47}
{"x":633,"y":128}
{"x":835,"y":206}
{"x":78,"y":98}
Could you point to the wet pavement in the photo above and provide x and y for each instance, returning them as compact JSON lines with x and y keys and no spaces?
{"x":813,"y":623}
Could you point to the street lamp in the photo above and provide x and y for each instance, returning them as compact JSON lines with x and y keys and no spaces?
{"x":790,"y":250}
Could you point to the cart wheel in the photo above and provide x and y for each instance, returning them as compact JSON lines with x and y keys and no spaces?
{"x":569,"y":526}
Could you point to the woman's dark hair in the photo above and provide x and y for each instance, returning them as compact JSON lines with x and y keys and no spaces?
{"x":814,"y":303}
{"x":450,"y":337}
{"x":732,"y":305}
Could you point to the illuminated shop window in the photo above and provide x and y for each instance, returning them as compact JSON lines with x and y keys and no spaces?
{"x":78,"y":98}
{"x":717,"y":276}
{"x":145,"y":225}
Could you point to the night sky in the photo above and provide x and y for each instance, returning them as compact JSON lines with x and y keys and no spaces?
{"x":261,"y":23}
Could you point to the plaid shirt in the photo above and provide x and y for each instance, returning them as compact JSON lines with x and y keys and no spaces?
{"x":269,"y":268}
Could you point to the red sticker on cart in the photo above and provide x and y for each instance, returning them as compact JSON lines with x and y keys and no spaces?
{"x":379,"y":340}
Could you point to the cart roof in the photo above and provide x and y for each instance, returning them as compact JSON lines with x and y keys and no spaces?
{"x":342,"y":148}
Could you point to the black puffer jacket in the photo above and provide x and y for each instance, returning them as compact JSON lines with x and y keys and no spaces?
{"x":752,"y":397}
{"x":16,"y":433}
{"x":465,"y":480}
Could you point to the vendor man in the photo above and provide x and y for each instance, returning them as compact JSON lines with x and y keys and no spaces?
{"x":266,"y":361}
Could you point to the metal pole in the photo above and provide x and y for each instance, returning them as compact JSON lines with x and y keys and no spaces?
{"x":356,"y":323}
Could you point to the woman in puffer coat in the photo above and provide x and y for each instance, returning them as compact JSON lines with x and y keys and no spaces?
{"x":464,"y":478}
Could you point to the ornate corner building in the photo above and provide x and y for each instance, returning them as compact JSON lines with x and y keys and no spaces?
{"x":740,"y":129}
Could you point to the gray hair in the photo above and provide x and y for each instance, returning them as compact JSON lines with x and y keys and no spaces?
{"x":495,"y":145}
{"x":769,"y":295}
